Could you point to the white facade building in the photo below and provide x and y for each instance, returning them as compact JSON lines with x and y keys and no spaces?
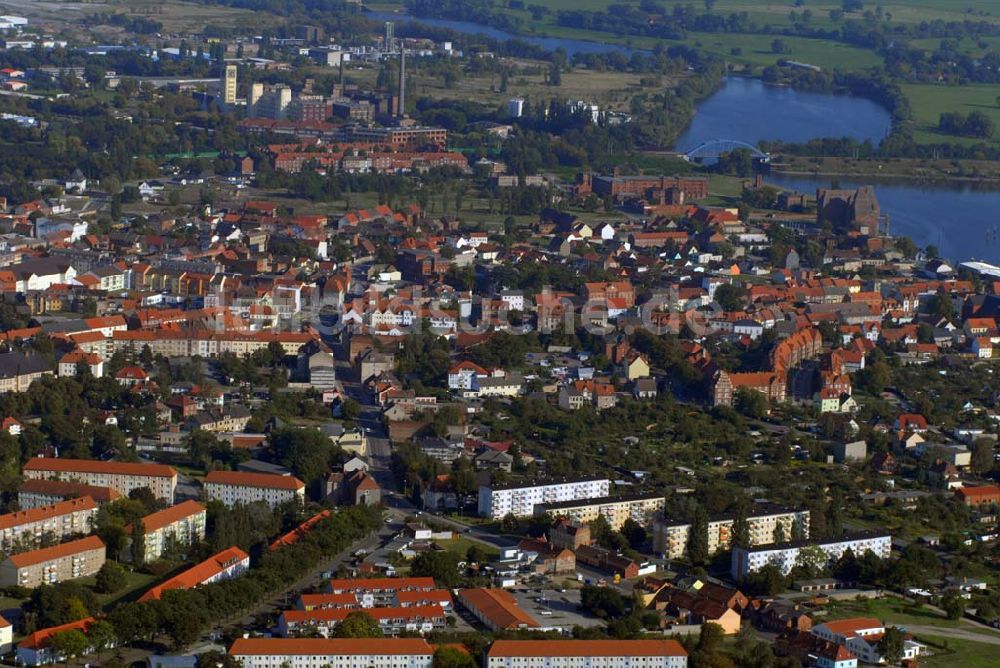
{"x":786,"y":555}
{"x":520,"y":501}
{"x":236,"y":488}
{"x":586,"y":654}
{"x":334,"y":652}
{"x":861,"y":635}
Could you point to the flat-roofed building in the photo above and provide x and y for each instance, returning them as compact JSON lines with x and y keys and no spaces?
{"x":122,"y":477}
{"x":180,"y":525}
{"x":332,"y":652}
{"x":30,"y":528}
{"x":784,"y":556}
{"x":586,"y":654}
{"x":35,"y":493}
{"x":49,"y":565}
{"x":641,"y":508}
{"x":520,"y":500}
{"x":234,"y":488}
{"x":671,"y":538}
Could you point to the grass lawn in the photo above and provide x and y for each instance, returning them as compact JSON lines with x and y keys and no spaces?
{"x":929,"y":101}
{"x":889,"y":609}
{"x":135,"y":584}
{"x":460,"y":547}
{"x":949,"y":652}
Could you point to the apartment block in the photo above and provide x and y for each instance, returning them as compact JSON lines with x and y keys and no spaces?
{"x":497,"y":502}
{"x":226,"y":565}
{"x":49,"y":565}
{"x":785,"y":555}
{"x":122,"y":477}
{"x":392,"y":620}
{"x":235,"y":488}
{"x":53,"y":523}
{"x":37,"y":493}
{"x":333,"y":652}
{"x":586,"y":654}
{"x":671,"y":538}
{"x":183,"y":524}
{"x":643,"y":508}
{"x":371,"y":592}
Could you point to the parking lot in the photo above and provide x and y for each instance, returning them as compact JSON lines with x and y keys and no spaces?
{"x":555,"y":607}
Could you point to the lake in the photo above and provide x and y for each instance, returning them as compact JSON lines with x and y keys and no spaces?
{"x":751,"y":111}
{"x":956,"y":217}
{"x":571,"y":46}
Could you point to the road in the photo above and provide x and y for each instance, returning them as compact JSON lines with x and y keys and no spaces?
{"x":962,"y":634}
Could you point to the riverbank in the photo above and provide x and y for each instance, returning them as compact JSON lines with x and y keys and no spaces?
{"x":911,"y":169}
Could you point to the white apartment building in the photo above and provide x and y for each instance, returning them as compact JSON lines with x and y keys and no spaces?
{"x":122,"y":477}
{"x":372,"y":592}
{"x":670,"y":538}
{"x":392,"y":620}
{"x":183,"y":524}
{"x":641,"y":508}
{"x":333,"y":652}
{"x":586,"y":654}
{"x":861,"y":635}
{"x":520,"y":500}
{"x":235,"y":488}
{"x":53,"y":523}
{"x":785,"y":555}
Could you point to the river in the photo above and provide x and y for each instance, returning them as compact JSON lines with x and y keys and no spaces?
{"x":958,"y":218}
{"x":751,"y":111}
{"x":571,"y":46}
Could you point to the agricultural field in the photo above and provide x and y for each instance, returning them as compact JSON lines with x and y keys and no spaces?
{"x":930,"y":101}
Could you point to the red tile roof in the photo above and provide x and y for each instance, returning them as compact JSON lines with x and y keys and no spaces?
{"x":93,"y":466}
{"x":499,"y":606}
{"x":33,"y":515}
{"x":330,"y":646}
{"x":381,"y":584}
{"x":68,"y":489}
{"x":298,"y":532}
{"x":168,"y":516}
{"x":40,"y":637}
{"x":267,"y":480}
{"x":198,"y":573}
{"x":87,"y":544}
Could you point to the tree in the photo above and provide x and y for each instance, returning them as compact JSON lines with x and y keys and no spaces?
{"x":752,"y":403}
{"x":729,"y":297}
{"x":710,"y":638}
{"x":779,"y":46}
{"x":697,"y":542}
{"x":741,"y":527}
{"x":350,"y":409}
{"x":982,"y":455}
{"x":358,"y":624}
{"x":100,"y":636}
{"x":442,"y":566}
{"x":605,"y":602}
{"x":110,"y":578}
{"x":890,"y":647}
{"x":953,"y":606}
{"x":450,"y":657}
{"x":69,"y":644}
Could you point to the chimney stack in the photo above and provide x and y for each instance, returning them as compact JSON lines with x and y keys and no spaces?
{"x":402,"y":80}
